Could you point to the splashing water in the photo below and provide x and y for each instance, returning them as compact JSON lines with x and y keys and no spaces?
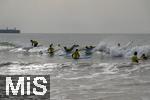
{"x":107,"y":75}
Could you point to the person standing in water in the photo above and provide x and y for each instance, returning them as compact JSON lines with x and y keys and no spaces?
{"x":34,"y":43}
{"x":134,"y":58}
{"x":51,"y":50}
{"x":76,"y":54}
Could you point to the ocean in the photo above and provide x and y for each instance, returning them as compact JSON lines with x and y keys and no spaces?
{"x":107,"y":75}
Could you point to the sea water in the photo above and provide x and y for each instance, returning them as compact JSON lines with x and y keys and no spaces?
{"x":107,"y":75}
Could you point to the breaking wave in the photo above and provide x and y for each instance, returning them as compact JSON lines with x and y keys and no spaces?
{"x":124,"y":51}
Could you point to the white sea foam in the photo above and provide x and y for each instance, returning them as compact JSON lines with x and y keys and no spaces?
{"x":6,"y":47}
{"x":38,"y":49}
{"x":125,"y":51}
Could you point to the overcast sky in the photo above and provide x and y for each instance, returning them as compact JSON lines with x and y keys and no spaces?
{"x":76,"y":16}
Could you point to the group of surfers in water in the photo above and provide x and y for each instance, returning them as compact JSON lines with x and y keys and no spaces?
{"x":88,"y":51}
{"x":69,"y":50}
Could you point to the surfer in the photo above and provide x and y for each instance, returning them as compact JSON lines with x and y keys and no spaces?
{"x":119,"y":45}
{"x":143,"y":57}
{"x":51,"y":49}
{"x":134,"y":58}
{"x":34,"y":43}
{"x":88,"y":50}
{"x":76,"y":54}
{"x":69,"y":50}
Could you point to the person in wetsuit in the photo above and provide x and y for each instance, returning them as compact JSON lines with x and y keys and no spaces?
{"x":51,"y":50}
{"x":143,"y":57}
{"x":135,"y":58}
{"x":69,"y":50}
{"x":76,"y":54}
{"x":88,"y":50}
{"x":118,"y":44}
{"x":34,"y":43}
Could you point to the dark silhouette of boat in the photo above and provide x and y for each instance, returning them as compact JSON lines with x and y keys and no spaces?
{"x":9,"y":30}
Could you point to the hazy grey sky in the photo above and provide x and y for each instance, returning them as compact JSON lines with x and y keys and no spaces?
{"x":76,"y":16}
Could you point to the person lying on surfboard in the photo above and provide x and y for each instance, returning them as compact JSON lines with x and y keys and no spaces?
{"x":69,"y":50}
{"x":143,"y":57}
{"x":88,"y":50}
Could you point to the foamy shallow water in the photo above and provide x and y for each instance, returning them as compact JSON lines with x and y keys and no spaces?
{"x":95,"y":84}
{"x":102,"y":77}
{"x":88,"y":81}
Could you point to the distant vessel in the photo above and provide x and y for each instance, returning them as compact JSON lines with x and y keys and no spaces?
{"x":9,"y":30}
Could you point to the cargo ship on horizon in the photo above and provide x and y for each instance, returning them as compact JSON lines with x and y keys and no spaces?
{"x":10,"y":31}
